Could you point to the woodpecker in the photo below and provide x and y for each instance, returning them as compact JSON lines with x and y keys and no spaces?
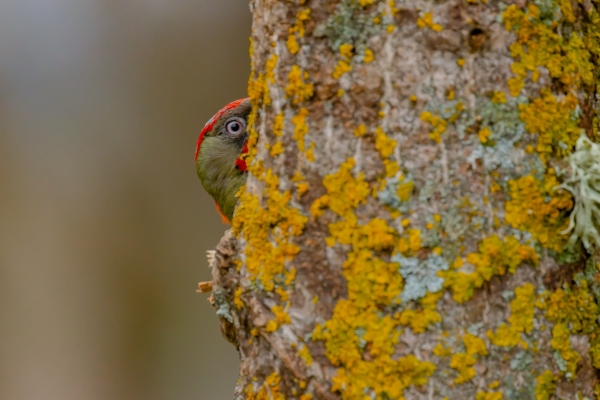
{"x":219,"y":162}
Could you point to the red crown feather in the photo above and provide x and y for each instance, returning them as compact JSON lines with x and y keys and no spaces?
{"x":211,"y":123}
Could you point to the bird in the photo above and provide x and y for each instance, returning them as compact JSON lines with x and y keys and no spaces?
{"x":220,"y":164}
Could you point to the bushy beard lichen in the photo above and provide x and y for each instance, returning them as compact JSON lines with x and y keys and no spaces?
{"x":584,"y":185}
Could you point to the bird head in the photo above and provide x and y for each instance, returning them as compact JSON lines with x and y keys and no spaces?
{"x":219,"y":162}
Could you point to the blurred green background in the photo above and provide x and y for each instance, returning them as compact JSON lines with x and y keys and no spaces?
{"x":103,"y":223}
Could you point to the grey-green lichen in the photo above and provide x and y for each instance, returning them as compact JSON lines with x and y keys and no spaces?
{"x":223,"y":307}
{"x":349,"y":25}
{"x":584,"y":185}
{"x":505,"y":129}
{"x":389,"y":194}
{"x":420,"y":277}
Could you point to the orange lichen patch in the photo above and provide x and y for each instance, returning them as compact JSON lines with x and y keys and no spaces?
{"x":298,"y":30}
{"x":269,"y":390}
{"x":438,"y":123}
{"x":419,"y":320}
{"x":506,"y":336}
{"x":561,"y":342}
{"x":426,"y":21}
{"x":259,"y":89}
{"x":484,"y":135}
{"x":369,"y":56}
{"x":410,"y":243}
{"x":297,"y":90}
{"x":344,"y":191}
{"x":310,"y":153}
{"x":537,"y":208}
{"x":281,"y":317}
{"x":343,"y":66}
{"x":268,"y":248}
{"x":521,"y":319}
{"x":554,"y":122}
{"x":237,"y":298}
{"x":359,"y":339}
{"x":539,"y":44}
{"x":270,"y":68}
{"x":405,"y":189}
{"x":385,"y":146}
{"x":300,"y":183}
{"x":546,"y":386}
{"x":276,"y":149}
{"x":463,"y":362}
{"x":278,"y":124}
{"x":574,"y":311}
{"x":300,"y":128}
{"x":499,"y":97}
{"x":304,"y":353}
{"x":523,"y":308}
{"x":495,"y":257}
{"x":360,"y":130}
{"x":488,"y":396}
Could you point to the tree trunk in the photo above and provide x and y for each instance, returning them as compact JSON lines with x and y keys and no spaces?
{"x":402,"y":233}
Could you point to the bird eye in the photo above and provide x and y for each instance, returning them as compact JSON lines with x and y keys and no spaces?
{"x":235,"y":126}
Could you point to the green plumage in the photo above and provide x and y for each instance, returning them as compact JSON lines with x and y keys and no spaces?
{"x":219,"y":174}
{"x":216,"y":163}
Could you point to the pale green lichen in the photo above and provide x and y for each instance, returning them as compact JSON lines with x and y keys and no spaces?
{"x":396,"y":193}
{"x":349,"y":25}
{"x":584,"y":184}
{"x":505,"y":128}
{"x":223,"y":307}
{"x":419,"y":276}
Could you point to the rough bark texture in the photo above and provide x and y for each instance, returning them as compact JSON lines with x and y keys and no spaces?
{"x":401,"y":231}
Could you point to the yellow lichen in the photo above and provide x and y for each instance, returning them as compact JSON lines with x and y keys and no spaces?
{"x":278,"y":124}
{"x":575,"y":312}
{"x":304,"y":353}
{"x":539,"y":44}
{"x":372,"y":283}
{"x":521,"y":319}
{"x":523,"y":308}
{"x":297,"y":30}
{"x":495,"y":257}
{"x":554,"y":122}
{"x":270,"y":390}
{"x":499,"y":97}
{"x":463,"y":362}
{"x":537,"y":208}
{"x":419,"y":320}
{"x":268,"y":250}
{"x":369,"y":57}
{"x":360,"y":130}
{"x":237,"y":298}
{"x":300,"y":128}
{"x":426,"y":21}
{"x":276,"y":149}
{"x":439,"y":125}
{"x":488,"y":396}
{"x":484,"y":135}
{"x":343,"y":66}
{"x":297,"y":90}
{"x":546,"y":386}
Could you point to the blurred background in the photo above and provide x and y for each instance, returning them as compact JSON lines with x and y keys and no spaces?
{"x":103,"y":223}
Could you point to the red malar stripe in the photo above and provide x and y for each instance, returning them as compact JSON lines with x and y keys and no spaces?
{"x":240,"y":163}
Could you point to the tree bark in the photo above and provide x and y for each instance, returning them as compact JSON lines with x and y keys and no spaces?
{"x":402,"y":233}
